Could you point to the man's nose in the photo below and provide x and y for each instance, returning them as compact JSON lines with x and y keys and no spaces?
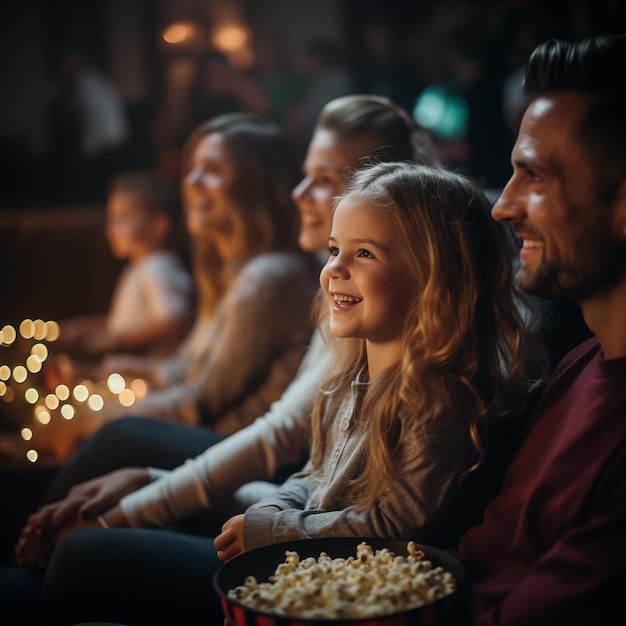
{"x":510,"y":205}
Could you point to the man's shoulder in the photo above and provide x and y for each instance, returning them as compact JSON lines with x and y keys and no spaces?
{"x":583,"y":352}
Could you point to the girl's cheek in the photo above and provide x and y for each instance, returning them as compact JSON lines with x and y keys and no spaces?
{"x":323,"y":282}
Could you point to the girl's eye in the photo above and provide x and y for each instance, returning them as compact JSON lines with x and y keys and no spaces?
{"x":365,"y":253}
{"x":333,"y":251}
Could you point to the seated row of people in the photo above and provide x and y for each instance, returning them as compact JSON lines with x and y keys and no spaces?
{"x":250,"y":274}
{"x":425,"y":343}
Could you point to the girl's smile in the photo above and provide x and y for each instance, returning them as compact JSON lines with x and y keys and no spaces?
{"x":343,"y":301}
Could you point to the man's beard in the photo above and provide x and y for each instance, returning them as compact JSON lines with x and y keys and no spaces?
{"x":600,"y":263}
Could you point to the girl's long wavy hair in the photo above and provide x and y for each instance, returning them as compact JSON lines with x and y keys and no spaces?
{"x":467,"y":339}
{"x":266,"y":170}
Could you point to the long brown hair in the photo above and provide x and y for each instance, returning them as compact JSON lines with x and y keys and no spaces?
{"x":266,"y":170}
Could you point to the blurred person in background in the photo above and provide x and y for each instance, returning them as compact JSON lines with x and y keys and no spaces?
{"x":201,"y":87}
{"x":151,"y":308}
{"x":89,"y":125}
{"x":254,"y":287}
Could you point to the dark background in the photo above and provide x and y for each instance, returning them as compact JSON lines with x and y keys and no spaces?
{"x":469,"y":46}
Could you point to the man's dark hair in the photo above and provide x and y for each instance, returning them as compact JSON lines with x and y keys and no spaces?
{"x":593,"y":67}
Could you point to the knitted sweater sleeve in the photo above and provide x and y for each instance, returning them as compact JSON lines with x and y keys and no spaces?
{"x":426,"y":484}
{"x":278,"y":438}
{"x":265,"y":315}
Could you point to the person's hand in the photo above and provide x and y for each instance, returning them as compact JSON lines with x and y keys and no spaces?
{"x":39,"y":537}
{"x":78,"y":509}
{"x":229,"y":543}
{"x":94,"y":497}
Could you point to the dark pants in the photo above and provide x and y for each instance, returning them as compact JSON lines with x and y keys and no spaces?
{"x":132,"y":576}
{"x":131,"y":442}
{"x":137,"y":577}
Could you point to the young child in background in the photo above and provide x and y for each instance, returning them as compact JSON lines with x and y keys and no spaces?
{"x":152,"y":304}
{"x":430,"y":342}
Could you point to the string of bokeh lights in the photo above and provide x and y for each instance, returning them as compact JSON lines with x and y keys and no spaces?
{"x":16,"y":382}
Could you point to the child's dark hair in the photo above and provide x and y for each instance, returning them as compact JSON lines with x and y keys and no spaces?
{"x":155,"y":192}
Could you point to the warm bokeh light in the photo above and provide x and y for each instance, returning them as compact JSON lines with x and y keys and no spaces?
{"x":3,"y":388}
{"x":27,"y":434}
{"x":68,"y":411}
{"x":80,"y":393}
{"x":95,"y":402}
{"x":40,"y":350}
{"x":8,"y":334}
{"x":116,"y":383}
{"x":44,"y":417}
{"x":5,"y":372}
{"x":39,"y":330}
{"x":32,"y":455}
{"x":31,"y":395}
{"x":9,"y":395}
{"x":27,"y":329}
{"x":34,"y":364}
{"x":52,"y":402}
{"x":139,"y":388}
{"x":19,"y":373}
{"x":62,"y":392}
{"x":127,"y":397}
{"x":177,"y":33}
{"x":52,"y":331}
{"x":230,"y":38}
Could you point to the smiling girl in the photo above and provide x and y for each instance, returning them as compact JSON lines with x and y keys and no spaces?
{"x":429,"y":343}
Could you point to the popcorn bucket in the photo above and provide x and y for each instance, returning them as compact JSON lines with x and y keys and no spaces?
{"x":262,"y":564}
